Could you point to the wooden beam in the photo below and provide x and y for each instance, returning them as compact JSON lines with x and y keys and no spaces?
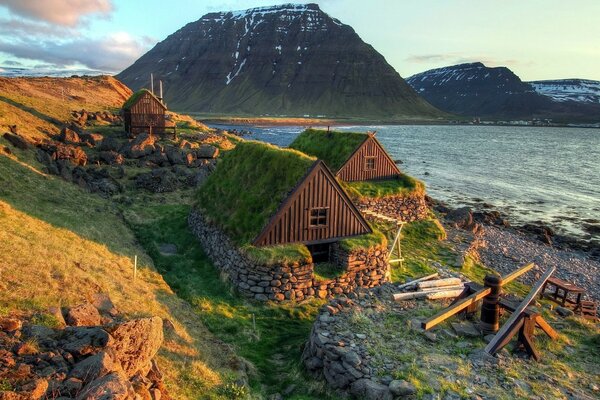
{"x":444,"y":294}
{"x":507,"y":330}
{"x":414,"y":282}
{"x":423,"y":293}
{"x":439,"y":283}
{"x":515,"y":274}
{"x":459,"y":306}
{"x":541,"y":322}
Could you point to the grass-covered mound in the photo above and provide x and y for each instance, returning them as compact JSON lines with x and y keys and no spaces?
{"x":332,"y":147}
{"x":245,"y":191}
{"x":402,"y":185}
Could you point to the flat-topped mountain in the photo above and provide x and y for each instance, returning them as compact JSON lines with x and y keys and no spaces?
{"x":292,"y":60}
{"x":476,"y":90}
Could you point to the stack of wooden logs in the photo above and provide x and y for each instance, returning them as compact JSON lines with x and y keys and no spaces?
{"x":430,"y":288}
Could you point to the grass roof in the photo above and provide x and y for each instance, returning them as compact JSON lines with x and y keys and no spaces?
{"x":332,"y":147}
{"x":134,"y":98}
{"x":248,"y":185}
{"x":401,"y":185}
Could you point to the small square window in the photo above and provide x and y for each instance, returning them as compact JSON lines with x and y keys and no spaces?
{"x":318,"y":217}
{"x":369,"y":163}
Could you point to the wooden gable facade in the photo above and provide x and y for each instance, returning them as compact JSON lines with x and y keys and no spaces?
{"x":317,"y":211}
{"x":144,"y":112}
{"x":369,"y":161}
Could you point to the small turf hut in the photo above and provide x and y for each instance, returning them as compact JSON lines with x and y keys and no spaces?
{"x":144,"y":112}
{"x":261,"y":195}
{"x":352,"y":156}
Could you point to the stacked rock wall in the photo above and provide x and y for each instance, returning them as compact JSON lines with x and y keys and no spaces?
{"x":288,"y":281}
{"x":405,"y":208}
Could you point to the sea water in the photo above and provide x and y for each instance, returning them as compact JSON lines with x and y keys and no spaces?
{"x":533,"y":174}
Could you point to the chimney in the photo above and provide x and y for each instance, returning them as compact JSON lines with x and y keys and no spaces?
{"x":160,"y":89}
{"x":152,"y":83}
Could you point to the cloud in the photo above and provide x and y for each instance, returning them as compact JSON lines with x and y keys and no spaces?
{"x":20,"y":27}
{"x":111,"y":54}
{"x":12,"y":63}
{"x":60,"y":12}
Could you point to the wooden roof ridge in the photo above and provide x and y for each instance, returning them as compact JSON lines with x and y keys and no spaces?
{"x":372,"y":137}
{"x":318,"y":165}
{"x":134,"y":98}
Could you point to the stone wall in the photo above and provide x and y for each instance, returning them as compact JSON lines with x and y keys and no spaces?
{"x":405,"y":208}
{"x":288,"y":281}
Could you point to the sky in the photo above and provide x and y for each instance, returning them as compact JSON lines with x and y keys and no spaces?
{"x":549,"y":39}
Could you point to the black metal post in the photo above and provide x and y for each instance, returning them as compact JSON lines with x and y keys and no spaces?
{"x":490,"y":308}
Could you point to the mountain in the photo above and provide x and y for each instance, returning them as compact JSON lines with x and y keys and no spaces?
{"x":475,"y":90}
{"x":290,"y":60}
{"x":563,"y":90}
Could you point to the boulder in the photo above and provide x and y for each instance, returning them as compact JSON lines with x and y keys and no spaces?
{"x":18,"y":141}
{"x":114,"y":386}
{"x":157,"y":181}
{"x":59,"y":151}
{"x":207,"y":151}
{"x":111,"y":157}
{"x":94,"y":367}
{"x":8,"y":324}
{"x":81,"y":341}
{"x":141,"y":146}
{"x":36,"y":389}
{"x":368,"y":390}
{"x":176,"y":156}
{"x":93,"y":139}
{"x":83,"y":315}
{"x":461,"y":217}
{"x":136,"y":343}
{"x":402,"y":388}
{"x":184,"y":144}
{"x":110,"y":144}
{"x":67,"y":135}
{"x":465,"y":328}
{"x":104,"y":304}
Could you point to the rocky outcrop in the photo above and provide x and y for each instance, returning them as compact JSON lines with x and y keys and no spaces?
{"x":16,"y":140}
{"x":289,"y":280}
{"x":142,"y":145}
{"x":405,"y":208}
{"x":111,"y":361}
{"x":287,"y":59}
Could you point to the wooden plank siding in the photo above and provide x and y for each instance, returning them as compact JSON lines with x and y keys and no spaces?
{"x":319,"y":189}
{"x":147,"y":112}
{"x":354,"y":168}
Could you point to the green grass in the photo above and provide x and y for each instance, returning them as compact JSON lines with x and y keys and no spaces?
{"x":325,"y":271}
{"x":269,"y":336}
{"x":370,"y":240}
{"x":271,"y":255}
{"x":247,"y":187}
{"x":403,"y":185}
{"x":332,"y":147}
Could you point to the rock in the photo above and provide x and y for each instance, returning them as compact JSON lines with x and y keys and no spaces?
{"x":465,"y":329}
{"x":83,"y":315}
{"x":207,"y":151}
{"x":70,"y":387}
{"x":36,"y":389}
{"x":94,"y":367}
{"x":141,"y":146}
{"x":461,"y":217}
{"x":352,"y":358}
{"x":157,"y":181}
{"x":104,"y":304}
{"x":8,"y":324}
{"x":18,"y":141}
{"x":432,"y":337}
{"x":184,"y":144}
{"x":402,"y":388}
{"x":368,"y":390}
{"x":41,"y":334}
{"x":113,"y":386}
{"x":111,"y":157}
{"x":564,"y":312}
{"x":361,"y":336}
{"x":92,"y":139}
{"x":167,"y":249}
{"x":176,"y":156}
{"x":57,"y":314}
{"x":68,"y":136}
{"x":109,"y":144}
{"x":136,"y":343}
{"x":81,"y":341}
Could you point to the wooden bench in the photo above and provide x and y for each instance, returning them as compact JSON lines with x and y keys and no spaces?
{"x":561,"y":292}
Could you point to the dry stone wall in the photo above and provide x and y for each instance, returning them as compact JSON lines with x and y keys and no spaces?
{"x":406,"y":208}
{"x":288,"y":281}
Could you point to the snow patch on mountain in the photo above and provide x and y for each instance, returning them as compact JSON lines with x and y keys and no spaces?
{"x":562,"y":90}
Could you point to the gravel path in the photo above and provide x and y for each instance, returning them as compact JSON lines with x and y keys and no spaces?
{"x":506,"y":250}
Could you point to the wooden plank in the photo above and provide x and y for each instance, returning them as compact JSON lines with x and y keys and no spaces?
{"x":444,"y":294}
{"x":422,"y":294}
{"x":452,"y":310}
{"x":439,"y":283}
{"x":544,"y":326}
{"x":507,"y":328}
{"x":415,"y":281}
{"x":515,"y":274}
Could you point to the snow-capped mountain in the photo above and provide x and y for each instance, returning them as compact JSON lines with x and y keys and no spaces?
{"x":475,"y":90}
{"x":282,"y":60}
{"x":562,"y":90}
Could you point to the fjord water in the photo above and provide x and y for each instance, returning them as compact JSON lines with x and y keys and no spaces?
{"x":530,"y":173}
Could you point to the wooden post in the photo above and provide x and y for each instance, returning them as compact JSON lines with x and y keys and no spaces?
{"x":490,"y":309}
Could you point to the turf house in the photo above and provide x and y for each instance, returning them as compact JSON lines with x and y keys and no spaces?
{"x":144,"y":112}
{"x":367,"y":172}
{"x":280,"y":225}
